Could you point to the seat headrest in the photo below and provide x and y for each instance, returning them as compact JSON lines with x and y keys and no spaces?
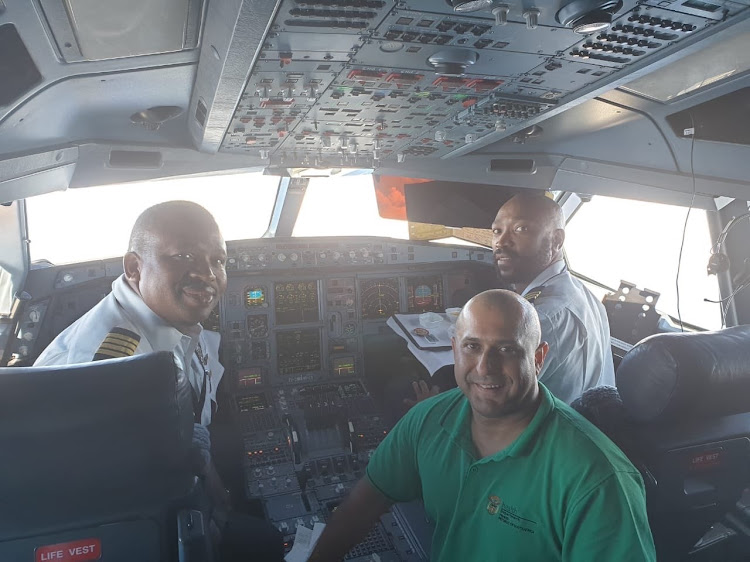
{"x":91,"y":440}
{"x":680,"y":376}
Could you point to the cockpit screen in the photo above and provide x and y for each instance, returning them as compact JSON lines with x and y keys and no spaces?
{"x":425,"y":294}
{"x":296,"y":302}
{"x":379,"y":297}
{"x":343,"y":366}
{"x":255,"y":296}
{"x":250,"y":377}
{"x":298,"y":351}
{"x":252,"y":403}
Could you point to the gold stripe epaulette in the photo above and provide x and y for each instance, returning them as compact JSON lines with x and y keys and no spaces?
{"x":532,"y":295}
{"x":119,"y":342}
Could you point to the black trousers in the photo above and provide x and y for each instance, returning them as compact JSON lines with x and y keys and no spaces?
{"x":245,"y":538}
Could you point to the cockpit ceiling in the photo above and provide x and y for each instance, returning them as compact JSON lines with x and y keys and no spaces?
{"x":360,"y":83}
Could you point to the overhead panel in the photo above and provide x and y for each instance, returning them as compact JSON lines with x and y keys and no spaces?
{"x":359,"y":83}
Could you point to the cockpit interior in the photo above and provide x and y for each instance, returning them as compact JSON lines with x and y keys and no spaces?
{"x":632,"y":114}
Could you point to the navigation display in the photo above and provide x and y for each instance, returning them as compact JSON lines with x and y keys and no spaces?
{"x":379,"y":297}
{"x":296,"y":302}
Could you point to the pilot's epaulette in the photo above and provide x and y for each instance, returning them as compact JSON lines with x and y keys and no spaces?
{"x":533,"y":294}
{"x":118,"y":343}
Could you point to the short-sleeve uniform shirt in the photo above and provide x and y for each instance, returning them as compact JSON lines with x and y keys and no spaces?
{"x":131,"y":326}
{"x":574,"y":324}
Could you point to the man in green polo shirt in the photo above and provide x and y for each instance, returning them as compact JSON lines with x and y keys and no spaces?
{"x":506,"y":471}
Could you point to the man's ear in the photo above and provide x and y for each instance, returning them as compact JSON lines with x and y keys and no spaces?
{"x":539,"y":355}
{"x":558,"y":238}
{"x":131,"y":263}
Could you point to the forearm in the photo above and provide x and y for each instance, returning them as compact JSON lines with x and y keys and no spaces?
{"x":350,"y":522}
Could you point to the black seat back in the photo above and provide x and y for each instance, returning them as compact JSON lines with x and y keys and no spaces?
{"x":93,"y":455}
{"x":688,"y":396}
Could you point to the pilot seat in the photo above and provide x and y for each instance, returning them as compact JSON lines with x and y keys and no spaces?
{"x":94,"y":463}
{"x":684,"y":420}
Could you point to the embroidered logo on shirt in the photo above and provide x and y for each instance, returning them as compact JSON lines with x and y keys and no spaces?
{"x":509,"y":515}
{"x":119,"y":342}
{"x":493,"y":504}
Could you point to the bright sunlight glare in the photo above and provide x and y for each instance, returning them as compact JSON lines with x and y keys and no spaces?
{"x":94,"y":223}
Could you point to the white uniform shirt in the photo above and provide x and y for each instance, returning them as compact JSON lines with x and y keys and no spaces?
{"x":123,"y":308}
{"x":574,"y":324}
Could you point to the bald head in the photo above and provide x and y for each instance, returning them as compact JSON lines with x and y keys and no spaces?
{"x":514,"y":309}
{"x":498,"y":354}
{"x":168,"y":217}
{"x":527,"y":237}
{"x":176,"y":263}
{"x":539,"y":207}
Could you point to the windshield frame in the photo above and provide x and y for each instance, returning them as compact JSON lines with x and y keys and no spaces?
{"x":14,"y":249}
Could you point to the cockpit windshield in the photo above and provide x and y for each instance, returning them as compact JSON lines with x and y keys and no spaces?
{"x":94,"y":223}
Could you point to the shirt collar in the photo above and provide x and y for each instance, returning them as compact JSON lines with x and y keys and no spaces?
{"x":161,"y":336}
{"x":555,"y":268}
{"x":457,"y":423}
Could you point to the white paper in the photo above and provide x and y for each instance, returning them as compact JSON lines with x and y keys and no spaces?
{"x":432,"y":360}
{"x":304,"y":541}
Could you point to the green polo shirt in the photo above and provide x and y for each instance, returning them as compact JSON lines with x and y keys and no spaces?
{"x":561,"y":491}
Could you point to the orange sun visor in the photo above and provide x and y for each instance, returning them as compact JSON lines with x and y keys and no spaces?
{"x":389,"y":192}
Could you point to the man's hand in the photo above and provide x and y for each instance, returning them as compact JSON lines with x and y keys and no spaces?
{"x":422,"y":392}
{"x":350,"y":522}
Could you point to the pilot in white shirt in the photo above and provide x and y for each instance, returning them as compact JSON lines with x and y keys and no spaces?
{"x":175,"y":274}
{"x":527,"y":240}
{"x":121,"y":325}
{"x":574,"y":324}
